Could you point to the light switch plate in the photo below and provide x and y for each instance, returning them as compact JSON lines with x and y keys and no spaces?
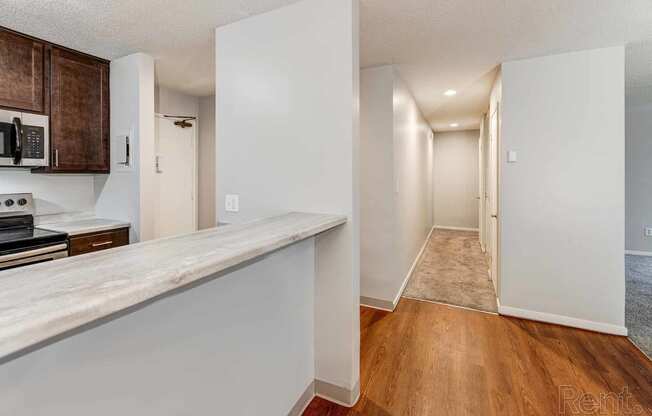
{"x":648,"y":231}
{"x":232,"y":203}
{"x":512,"y":156}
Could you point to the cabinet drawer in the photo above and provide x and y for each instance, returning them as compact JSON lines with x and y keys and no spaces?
{"x":89,"y":243}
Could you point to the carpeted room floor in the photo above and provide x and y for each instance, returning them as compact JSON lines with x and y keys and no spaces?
{"x":638,"y":301}
{"x":453,"y":270}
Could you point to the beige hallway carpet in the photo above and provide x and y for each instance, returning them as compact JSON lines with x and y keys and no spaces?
{"x":453,"y":270}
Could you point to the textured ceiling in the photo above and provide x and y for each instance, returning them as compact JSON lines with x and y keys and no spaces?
{"x":178,"y":34}
{"x":442,"y":44}
{"x":436,"y":44}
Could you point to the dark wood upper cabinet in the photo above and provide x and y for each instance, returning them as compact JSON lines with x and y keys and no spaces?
{"x":79,"y":119}
{"x":70,"y":87}
{"x":22,"y":74}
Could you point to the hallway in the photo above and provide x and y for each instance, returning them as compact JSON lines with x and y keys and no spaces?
{"x":426,"y":359}
{"x":453,"y":270}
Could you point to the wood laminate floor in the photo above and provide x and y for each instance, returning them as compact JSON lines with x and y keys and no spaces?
{"x":430,"y":359}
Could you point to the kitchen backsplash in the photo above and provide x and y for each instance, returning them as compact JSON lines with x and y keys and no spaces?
{"x":55,"y":196}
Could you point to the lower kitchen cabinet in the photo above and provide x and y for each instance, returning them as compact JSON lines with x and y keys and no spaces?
{"x":91,"y":242}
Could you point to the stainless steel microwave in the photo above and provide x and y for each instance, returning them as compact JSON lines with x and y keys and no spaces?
{"x":24,"y":139}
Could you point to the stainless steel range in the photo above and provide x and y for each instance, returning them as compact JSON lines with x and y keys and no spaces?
{"x":20,"y":242}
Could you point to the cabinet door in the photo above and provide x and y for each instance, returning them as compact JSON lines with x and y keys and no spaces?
{"x":79,"y":113}
{"x":21,"y":72}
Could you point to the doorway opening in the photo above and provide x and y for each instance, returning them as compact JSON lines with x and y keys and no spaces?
{"x":460,"y":264}
{"x":638,"y":202}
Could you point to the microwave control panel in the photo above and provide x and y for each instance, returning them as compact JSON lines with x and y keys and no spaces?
{"x":33,"y":142}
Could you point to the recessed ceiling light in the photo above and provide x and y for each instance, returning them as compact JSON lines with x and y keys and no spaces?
{"x":450,"y":93}
{"x":455,"y":124}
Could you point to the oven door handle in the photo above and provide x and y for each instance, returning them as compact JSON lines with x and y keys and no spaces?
{"x":32,"y":253}
{"x":33,"y":260}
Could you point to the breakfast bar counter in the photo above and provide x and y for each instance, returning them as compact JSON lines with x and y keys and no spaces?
{"x":46,"y":302}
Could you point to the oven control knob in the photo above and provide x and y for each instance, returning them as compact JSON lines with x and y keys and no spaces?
{"x":22,"y":202}
{"x":9,"y":202}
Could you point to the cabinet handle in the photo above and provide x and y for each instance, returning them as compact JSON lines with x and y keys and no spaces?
{"x":56,"y":158}
{"x":106,"y":243}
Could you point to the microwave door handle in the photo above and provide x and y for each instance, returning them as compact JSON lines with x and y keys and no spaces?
{"x":18,"y":147}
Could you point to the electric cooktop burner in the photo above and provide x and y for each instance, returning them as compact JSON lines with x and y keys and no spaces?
{"x":17,"y":231}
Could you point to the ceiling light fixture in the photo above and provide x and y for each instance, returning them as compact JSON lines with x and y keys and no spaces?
{"x":450,"y":93}
{"x":455,"y":124}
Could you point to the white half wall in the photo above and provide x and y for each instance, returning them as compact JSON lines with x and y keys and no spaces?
{"x":639,"y":178}
{"x":396,"y":185}
{"x":562,"y":204}
{"x":287,"y":102}
{"x":456,"y":179}
{"x":127,"y":194}
{"x":241,"y":344}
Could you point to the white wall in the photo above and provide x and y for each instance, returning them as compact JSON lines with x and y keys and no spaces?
{"x":413,"y":170}
{"x":169,"y":101}
{"x":396,"y":184}
{"x":562,"y":204}
{"x":128,"y":195}
{"x":207,"y":216}
{"x":379,"y":272}
{"x":456,"y":179}
{"x":638,"y":177}
{"x":287,"y":139}
{"x":54,"y":195}
{"x":241,"y":344}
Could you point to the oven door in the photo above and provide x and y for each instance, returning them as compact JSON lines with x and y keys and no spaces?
{"x":38,"y":255}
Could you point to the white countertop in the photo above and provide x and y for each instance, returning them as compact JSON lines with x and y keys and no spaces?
{"x":84,"y":226}
{"x":44,"y":302}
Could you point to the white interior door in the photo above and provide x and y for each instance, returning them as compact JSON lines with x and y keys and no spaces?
{"x":493,"y":195}
{"x":176,"y":152}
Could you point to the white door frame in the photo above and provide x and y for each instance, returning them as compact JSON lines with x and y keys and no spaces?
{"x":481,"y":187}
{"x":195,"y":170}
{"x":494,"y":209}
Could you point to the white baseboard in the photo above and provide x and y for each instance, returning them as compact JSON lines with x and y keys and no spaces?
{"x":639,"y":253}
{"x":446,"y":227}
{"x":304,"y":401}
{"x":375,"y":303}
{"x":562,"y":320}
{"x":386,"y":305}
{"x":397,"y":298}
{"x":336,"y":394}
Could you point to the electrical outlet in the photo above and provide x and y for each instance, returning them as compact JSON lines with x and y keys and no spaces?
{"x":648,"y":231}
{"x":232,"y":203}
